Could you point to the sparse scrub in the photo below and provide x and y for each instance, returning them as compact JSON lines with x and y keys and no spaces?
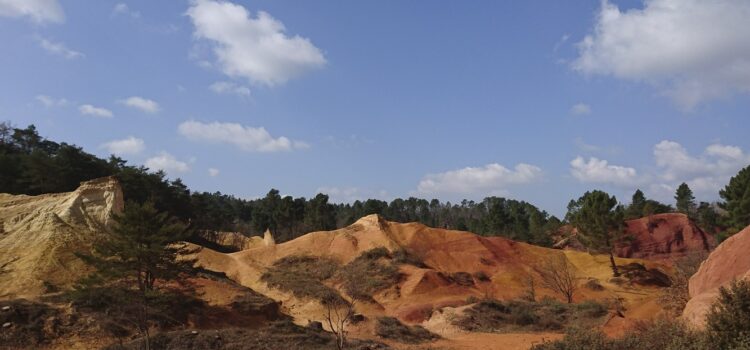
{"x":675,"y":297}
{"x":369,"y":273}
{"x":548,"y":314}
{"x":302,"y":275}
{"x":392,"y":328}
{"x":654,"y":335}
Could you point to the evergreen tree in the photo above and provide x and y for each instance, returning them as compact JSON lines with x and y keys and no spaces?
{"x":141,"y":249}
{"x":598,"y":219}
{"x":637,"y":205}
{"x":736,"y":196}
{"x":685,"y":200}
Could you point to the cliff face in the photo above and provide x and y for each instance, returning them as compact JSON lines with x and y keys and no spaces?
{"x":39,"y":235}
{"x":729,"y":261}
{"x":663,"y":236}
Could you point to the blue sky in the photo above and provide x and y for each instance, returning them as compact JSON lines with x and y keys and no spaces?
{"x":534,"y":100}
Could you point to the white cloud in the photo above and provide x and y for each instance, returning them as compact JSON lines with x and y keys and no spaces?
{"x":580,"y":109}
{"x":168,"y":163}
{"x":691,"y":50}
{"x":213,"y":172}
{"x":599,"y":171}
{"x":705,"y":173}
{"x":228,"y":87}
{"x":142,"y":104}
{"x":123,"y":9}
{"x":126,"y":146}
{"x":491,"y":178}
{"x":48,"y":101}
{"x":39,"y":11}
{"x":58,"y":49}
{"x":246,"y":138}
{"x":350,"y":194}
{"x":257,"y":49}
{"x":95,"y":111}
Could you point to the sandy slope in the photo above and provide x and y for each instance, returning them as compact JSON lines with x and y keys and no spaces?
{"x":423,"y":293}
{"x":38,"y":235}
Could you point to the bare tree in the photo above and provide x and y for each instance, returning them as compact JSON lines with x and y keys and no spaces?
{"x":339,"y":313}
{"x":559,"y":275}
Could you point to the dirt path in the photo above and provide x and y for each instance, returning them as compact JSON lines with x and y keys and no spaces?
{"x":487,"y":341}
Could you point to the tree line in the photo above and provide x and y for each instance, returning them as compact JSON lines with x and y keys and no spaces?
{"x":31,"y":164}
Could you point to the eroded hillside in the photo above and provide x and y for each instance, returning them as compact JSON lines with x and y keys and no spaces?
{"x":40,"y":234}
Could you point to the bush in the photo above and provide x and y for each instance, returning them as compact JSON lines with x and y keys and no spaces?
{"x":728,"y":321}
{"x":392,"y":328}
{"x":546,"y":315}
{"x":656,"y":335}
{"x":368,"y":274}
{"x":302,"y":276}
{"x":675,"y":297}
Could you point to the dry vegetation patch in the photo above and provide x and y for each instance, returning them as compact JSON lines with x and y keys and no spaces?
{"x":278,"y":335}
{"x":391,"y":328}
{"x":302,"y":275}
{"x":493,"y":316}
{"x":372,"y":271}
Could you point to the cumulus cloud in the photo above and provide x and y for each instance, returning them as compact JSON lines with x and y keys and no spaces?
{"x":228,"y":87}
{"x":599,"y":171}
{"x":580,"y":109}
{"x":255,"y":48}
{"x":39,"y":11}
{"x":48,"y":101}
{"x":491,"y":178}
{"x":142,"y":104}
{"x":707,"y":172}
{"x":127,"y":146}
{"x":95,"y":111}
{"x":244,"y":137}
{"x":167,"y":163}
{"x":691,"y":50}
{"x":59,"y":49}
{"x":213,"y":172}
{"x":350,"y":194}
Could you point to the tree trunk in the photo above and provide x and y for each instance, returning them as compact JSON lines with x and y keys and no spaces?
{"x":615,"y":272}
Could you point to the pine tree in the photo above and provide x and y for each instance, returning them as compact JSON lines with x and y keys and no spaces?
{"x":736,"y":196}
{"x":685,"y":200}
{"x":142,"y":248}
{"x":598,"y":219}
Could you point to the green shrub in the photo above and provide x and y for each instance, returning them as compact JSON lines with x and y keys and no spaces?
{"x":728,"y":321}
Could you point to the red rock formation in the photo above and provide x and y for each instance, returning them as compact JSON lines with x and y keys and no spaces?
{"x":663,"y":236}
{"x":729,"y":261}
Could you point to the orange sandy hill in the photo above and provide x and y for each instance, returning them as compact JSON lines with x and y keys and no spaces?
{"x":663,"y":236}
{"x":729,"y":261}
{"x":422,"y":290}
{"x":655,"y":237}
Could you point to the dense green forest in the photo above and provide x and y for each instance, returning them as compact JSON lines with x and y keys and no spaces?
{"x":31,"y":164}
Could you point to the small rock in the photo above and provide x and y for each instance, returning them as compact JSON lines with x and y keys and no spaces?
{"x":7,"y":325}
{"x":315,"y":325}
{"x":193,"y":332}
{"x":6,"y":308}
